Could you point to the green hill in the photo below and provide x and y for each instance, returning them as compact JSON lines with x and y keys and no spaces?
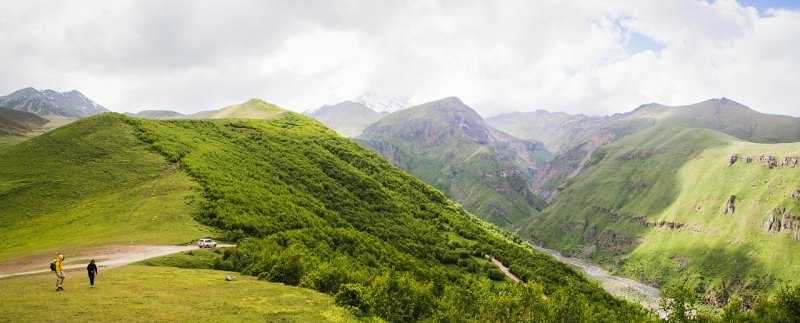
{"x":652,"y":206}
{"x":308,"y":207}
{"x":252,"y":109}
{"x":448,"y":145}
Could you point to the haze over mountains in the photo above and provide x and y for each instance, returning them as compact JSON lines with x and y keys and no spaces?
{"x":348,"y":118}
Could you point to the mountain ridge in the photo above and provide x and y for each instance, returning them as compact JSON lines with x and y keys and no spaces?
{"x":447,"y":144}
{"x":72,"y":104}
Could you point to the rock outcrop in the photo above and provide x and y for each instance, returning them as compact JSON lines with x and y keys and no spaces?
{"x":796,"y":194}
{"x":729,"y":207}
{"x":780,"y":219}
{"x":768,"y":161}
{"x":732,"y":160}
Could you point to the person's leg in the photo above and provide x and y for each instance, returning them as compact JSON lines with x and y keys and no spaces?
{"x":91,"y":280}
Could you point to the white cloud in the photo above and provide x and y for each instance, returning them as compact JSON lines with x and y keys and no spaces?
{"x":498,"y":56}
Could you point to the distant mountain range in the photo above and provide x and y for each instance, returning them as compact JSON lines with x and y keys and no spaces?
{"x":348,"y":118}
{"x":448,"y":145}
{"x":72,"y":104}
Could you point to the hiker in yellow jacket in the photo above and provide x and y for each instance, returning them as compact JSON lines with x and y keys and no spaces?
{"x":59,"y":272}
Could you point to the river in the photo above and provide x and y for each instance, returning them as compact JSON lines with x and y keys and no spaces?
{"x":631,"y":290}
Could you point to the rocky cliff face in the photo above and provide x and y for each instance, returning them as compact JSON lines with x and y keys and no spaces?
{"x":72,"y":104}
{"x":569,"y":164}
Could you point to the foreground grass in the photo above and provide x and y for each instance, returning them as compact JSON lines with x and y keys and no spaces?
{"x":161,"y":294}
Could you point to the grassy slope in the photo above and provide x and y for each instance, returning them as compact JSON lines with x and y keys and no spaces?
{"x":162,"y":294}
{"x":92,"y":183}
{"x":679,"y":175}
{"x":252,"y":109}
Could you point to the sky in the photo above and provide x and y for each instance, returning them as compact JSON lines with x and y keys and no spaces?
{"x":576,"y":56}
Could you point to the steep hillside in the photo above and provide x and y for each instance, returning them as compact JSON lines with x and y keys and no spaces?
{"x":72,"y":104}
{"x":670,"y":205}
{"x":558,"y":131}
{"x":252,"y":109}
{"x":348,"y":118}
{"x":92,"y":183}
{"x":448,"y":145}
{"x":157,"y":114}
{"x":307,"y":206}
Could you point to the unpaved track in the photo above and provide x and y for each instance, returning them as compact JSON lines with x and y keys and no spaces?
{"x":105,"y":257}
{"x":505,"y":270}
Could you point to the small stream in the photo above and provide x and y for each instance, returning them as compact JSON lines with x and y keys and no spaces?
{"x":631,"y":290}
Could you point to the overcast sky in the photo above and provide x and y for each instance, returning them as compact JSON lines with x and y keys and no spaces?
{"x":575,"y":56}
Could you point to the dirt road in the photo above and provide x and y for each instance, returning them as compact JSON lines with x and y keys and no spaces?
{"x":106,"y":256}
{"x":505,"y":270}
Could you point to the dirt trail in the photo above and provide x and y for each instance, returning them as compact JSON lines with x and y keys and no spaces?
{"x":631,"y":290}
{"x":105,"y":257}
{"x":505,"y":270}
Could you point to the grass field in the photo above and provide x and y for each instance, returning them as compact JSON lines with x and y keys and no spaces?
{"x":162,"y":294}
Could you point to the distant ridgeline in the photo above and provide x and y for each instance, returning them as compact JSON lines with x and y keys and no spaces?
{"x":313,"y":209}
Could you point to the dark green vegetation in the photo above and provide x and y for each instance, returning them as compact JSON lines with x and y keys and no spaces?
{"x":348,"y":118}
{"x":680,"y":305}
{"x":652,"y":205}
{"x":313,"y":209}
{"x":447,"y":144}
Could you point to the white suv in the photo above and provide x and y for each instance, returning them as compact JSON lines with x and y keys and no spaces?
{"x":206,"y":243}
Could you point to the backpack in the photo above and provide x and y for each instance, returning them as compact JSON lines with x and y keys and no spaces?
{"x":53,"y":265}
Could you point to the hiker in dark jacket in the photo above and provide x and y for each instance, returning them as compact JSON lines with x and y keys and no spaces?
{"x":92,"y":268}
